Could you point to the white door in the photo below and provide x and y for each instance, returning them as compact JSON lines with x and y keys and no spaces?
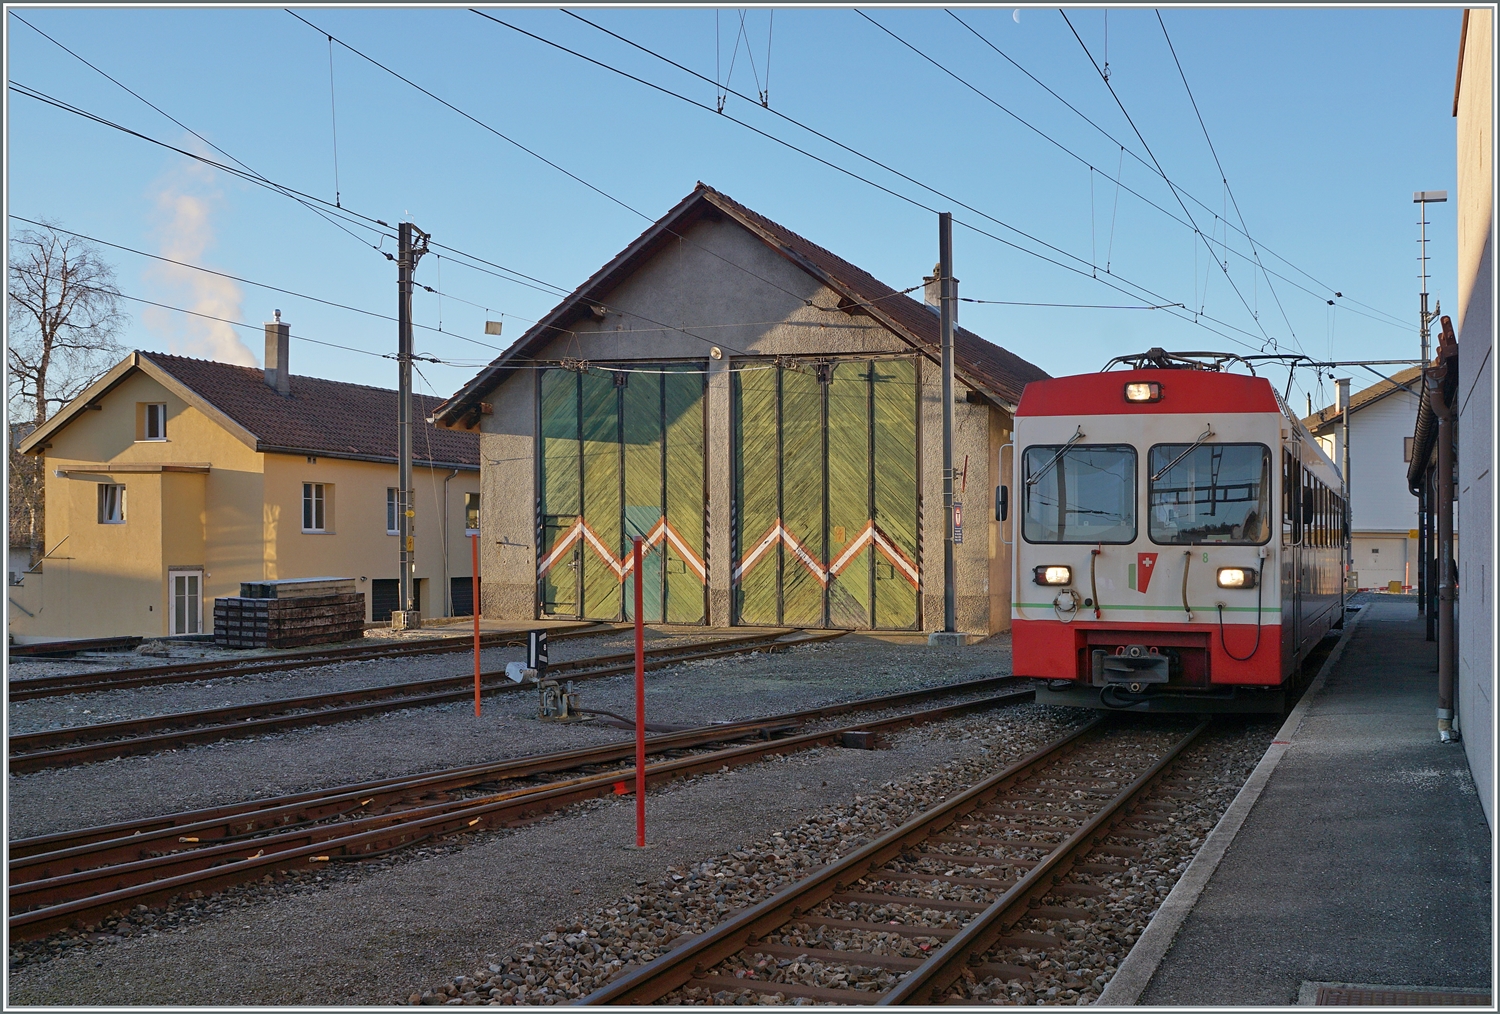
{"x":187,"y":601}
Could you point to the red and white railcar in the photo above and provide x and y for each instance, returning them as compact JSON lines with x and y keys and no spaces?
{"x":1178,"y":537}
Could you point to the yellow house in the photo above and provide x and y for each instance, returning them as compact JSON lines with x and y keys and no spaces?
{"x":171,"y":480}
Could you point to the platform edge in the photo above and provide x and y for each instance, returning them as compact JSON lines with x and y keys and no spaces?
{"x":1130,"y":980}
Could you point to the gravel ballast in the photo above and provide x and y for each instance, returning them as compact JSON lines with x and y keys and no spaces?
{"x":376,"y":934}
{"x":427,"y":739}
{"x":578,"y":957}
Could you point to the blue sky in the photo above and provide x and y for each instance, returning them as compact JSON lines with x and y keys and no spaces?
{"x":1325,"y":121}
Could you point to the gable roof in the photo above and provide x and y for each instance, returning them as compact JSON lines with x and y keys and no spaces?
{"x":328,"y":418}
{"x":982,"y":365}
{"x":1330,"y":415}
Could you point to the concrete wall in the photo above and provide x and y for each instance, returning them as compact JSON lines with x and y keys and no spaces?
{"x":1476,"y":454}
{"x":971,"y":440}
{"x":239,"y":522}
{"x":688,"y":299}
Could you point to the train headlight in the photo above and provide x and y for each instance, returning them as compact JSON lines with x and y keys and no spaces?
{"x":1053,"y":575}
{"x":1236,"y":577}
{"x":1147,"y":391}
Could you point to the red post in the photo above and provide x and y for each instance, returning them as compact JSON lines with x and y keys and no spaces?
{"x":640,"y":703}
{"x":474,"y":544}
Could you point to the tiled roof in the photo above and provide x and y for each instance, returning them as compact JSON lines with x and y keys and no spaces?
{"x":1329,"y":414}
{"x":328,"y":417}
{"x":978,"y":362}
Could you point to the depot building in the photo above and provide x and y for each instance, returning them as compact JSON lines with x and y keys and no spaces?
{"x":766,"y":416}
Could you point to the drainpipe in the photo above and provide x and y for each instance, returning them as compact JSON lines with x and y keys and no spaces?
{"x":447,"y":584}
{"x":1444,"y":509}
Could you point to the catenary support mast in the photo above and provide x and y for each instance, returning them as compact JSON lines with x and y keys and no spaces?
{"x":412,"y":245}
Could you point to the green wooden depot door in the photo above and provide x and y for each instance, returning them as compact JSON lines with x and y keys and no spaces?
{"x":825,"y":494}
{"x":622,"y":454}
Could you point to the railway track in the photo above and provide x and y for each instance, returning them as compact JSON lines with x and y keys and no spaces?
{"x":27,"y":688}
{"x":66,"y":649}
{"x":71,"y":879}
{"x":81,"y":744}
{"x":922,"y":913}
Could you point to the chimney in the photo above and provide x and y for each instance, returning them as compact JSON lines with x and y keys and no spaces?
{"x":278,"y":346}
{"x":932,"y":292}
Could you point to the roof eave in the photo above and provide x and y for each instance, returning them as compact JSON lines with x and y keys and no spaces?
{"x":381,"y":459}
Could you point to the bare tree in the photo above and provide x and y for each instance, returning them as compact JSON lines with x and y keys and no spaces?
{"x":64,"y":313}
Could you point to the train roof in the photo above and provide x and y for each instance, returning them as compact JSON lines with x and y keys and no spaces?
{"x":1182,"y":391}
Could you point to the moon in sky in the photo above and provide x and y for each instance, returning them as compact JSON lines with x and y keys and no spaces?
{"x":1017,"y":15}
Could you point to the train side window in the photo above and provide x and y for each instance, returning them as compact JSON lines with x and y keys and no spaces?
{"x":1290,"y":515}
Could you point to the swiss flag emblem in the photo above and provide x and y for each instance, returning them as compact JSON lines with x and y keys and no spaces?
{"x":1145,"y":564}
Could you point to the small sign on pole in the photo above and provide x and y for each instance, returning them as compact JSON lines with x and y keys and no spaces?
{"x":640,"y":702}
{"x":536,"y":651}
{"x":474,"y":544}
{"x":958,"y":522}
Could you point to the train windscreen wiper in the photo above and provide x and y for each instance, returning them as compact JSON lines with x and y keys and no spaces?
{"x":1196,"y":444}
{"x":1033,"y":480}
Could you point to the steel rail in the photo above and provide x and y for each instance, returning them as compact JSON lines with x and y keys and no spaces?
{"x":84,"y":743}
{"x":692,"y":959}
{"x":927,"y":983}
{"x":268,"y":811}
{"x":97,"y":893}
{"x":56,"y":649}
{"x":28,"y":687}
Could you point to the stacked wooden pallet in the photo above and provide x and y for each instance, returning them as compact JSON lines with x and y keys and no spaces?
{"x":289,"y":614}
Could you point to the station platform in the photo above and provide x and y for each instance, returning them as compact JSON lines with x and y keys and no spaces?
{"x":1364,"y":862}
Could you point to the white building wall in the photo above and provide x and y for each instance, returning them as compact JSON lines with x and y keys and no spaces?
{"x":1475,"y":477}
{"x":1379,"y":499}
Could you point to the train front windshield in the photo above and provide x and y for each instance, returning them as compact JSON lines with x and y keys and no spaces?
{"x":1083,"y":493}
{"x":1210,"y":493}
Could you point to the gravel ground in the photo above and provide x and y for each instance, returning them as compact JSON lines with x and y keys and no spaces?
{"x":379,"y":933}
{"x":45,"y":713}
{"x":427,"y":739}
{"x":578,"y":957}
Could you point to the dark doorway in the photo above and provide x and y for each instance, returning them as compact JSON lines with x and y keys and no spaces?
{"x":461,"y":594}
{"x":385,"y":598}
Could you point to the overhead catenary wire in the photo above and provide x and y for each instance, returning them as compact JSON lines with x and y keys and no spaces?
{"x":1386,"y":318}
{"x":300,"y":196}
{"x":593,"y":187}
{"x":238,"y":278}
{"x":120,"y":84}
{"x":283,"y":190}
{"x":1229,"y":191}
{"x":1170,"y":185}
{"x":333,"y":111}
{"x":530,"y":151}
{"x":249,"y":176}
{"x":854,"y":175}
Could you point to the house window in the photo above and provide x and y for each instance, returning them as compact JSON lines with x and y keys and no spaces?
{"x":1406,"y":446}
{"x":392,"y":511}
{"x":151,"y":422}
{"x":471,"y":513}
{"x":111,"y":503}
{"x":315,"y":507}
